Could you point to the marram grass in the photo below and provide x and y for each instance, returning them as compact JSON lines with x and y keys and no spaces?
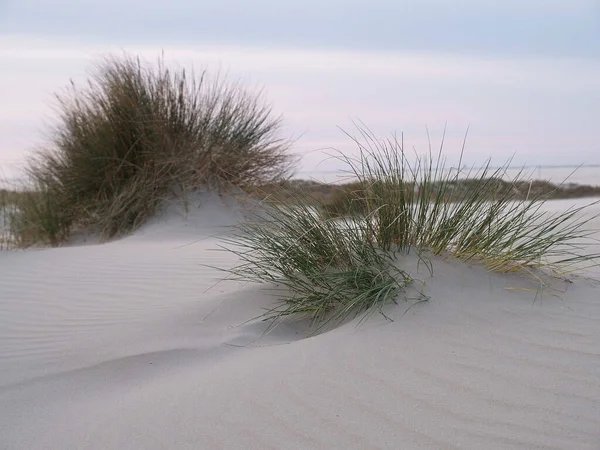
{"x":334,"y":263}
{"x":419,"y":206}
{"x":326,"y":270}
{"x":135,"y":135}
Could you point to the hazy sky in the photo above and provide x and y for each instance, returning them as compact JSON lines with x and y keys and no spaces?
{"x":524,"y":75}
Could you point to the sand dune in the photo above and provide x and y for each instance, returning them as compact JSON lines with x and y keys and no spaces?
{"x":132,"y":345}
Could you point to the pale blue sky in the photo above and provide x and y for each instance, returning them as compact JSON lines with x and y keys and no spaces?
{"x":524,"y":27}
{"x":525,"y":75}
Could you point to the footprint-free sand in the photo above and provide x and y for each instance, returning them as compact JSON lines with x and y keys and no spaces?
{"x":134,"y":344}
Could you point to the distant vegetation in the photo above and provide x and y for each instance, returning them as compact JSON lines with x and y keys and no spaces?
{"x":348,"y":199}
{"x":335,"y":199}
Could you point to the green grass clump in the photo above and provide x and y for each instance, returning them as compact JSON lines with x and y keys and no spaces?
{"x":418,"y":206}
{"x":336,"y":261}
{"x":135,"y":134}
{"x":328,"y":270}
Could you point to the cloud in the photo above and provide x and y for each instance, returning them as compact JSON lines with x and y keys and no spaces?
{"x":431,"y":7}
{"x":552,"y":27}
{"x":556,"y":73}
{"x":543,"y":109}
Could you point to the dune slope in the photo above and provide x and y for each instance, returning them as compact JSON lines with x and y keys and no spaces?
{"x":134,"y":345}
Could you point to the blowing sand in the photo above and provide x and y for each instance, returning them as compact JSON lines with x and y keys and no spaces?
{"x":134,"y":345}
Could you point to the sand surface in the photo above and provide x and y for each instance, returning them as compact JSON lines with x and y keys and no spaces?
{"x":134,"y":345}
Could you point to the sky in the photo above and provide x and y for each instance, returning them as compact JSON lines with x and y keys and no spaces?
{"x":523,"y":76}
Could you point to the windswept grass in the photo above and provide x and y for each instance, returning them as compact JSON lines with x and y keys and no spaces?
{"x":419,"y":206}
{"x":325,"y":269}
{"x":334,"y":262}
{"x":136,"y":134}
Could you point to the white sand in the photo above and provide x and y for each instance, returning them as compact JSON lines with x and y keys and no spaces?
{"x":121,"y":346}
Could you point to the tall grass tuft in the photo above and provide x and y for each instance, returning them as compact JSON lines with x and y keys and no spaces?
{"x":338,"y":261}
{"x":423,"y":206}
{"x":137,"y":132}
{"x":323,"y":269}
